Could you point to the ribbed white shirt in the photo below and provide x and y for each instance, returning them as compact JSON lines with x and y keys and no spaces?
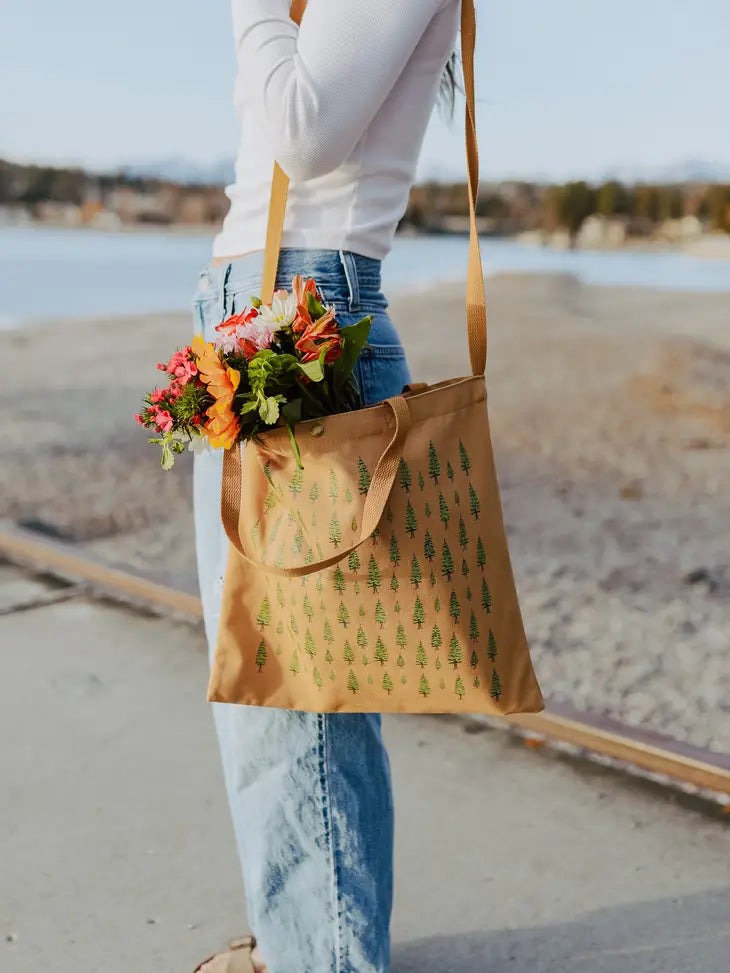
{"x":342,"y":102}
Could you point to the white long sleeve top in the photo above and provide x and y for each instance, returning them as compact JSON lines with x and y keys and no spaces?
{"x":342,"y":102}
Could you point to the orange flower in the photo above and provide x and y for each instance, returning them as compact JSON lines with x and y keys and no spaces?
{"x":319,"y":334}
{"x":223,"y":426}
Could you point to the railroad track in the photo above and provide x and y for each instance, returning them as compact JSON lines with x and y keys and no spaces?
{"x":648,"y":751}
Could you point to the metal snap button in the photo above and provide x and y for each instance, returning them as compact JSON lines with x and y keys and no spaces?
{"x":317,"y":430}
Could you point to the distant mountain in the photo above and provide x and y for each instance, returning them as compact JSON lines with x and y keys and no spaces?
{"x":181,"y":170}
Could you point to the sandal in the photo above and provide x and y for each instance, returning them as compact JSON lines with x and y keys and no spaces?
{"x":238,"y":957}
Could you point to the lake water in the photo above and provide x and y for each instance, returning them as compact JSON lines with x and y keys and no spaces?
{"x":47,"y":273}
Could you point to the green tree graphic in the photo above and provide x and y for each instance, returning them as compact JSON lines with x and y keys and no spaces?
{"x":394,"y":585}
{"x":436,"y":640}
{"x":450,"y":471}
{"x":353,"y":562}
{"x":404,"y":679}
{"x":328,"y":657}
{"x":356,"y":587}
{"x":400,"y":661}
{"x":307,"y":608}
{"x":375,"y":578}
{"x":314,"y":520}
{"x":263,"y":616}
{"x":455,"y":654}
{"x":468,"y":593}
{"x":270,"y":502}
{"x":421,"y":657}
{"x":335,"y":534}
{"x":463,"y":536}
{"x":348,"y":495}
{"x":332,"y":675}
{"x":464,"y":568}
{"x":474,"y":661}
{"x":464,"y":459}
{"x":294,"y":664}
{"x":491,"y":646}
{"x":298,"y":540}
{"x":434,"y":467}
{"x":400,"y":636}
{"x":381,"y":653}
{"x":261,"y":655}
{"x":481,"y":554}
{"x":477,"y":683}
{"x":423,"y":687}
{"x":394,"y":551}
{"x":309,"y":644}
{"x":427,"y":509}
{"x":457,"y":498}
{"x":473,"y":628}
{"x":375,"y":535}
{"x":379,"y":613}
{"x":293,"y":625}
{"x":431,"y":577}
{"x":267,"y":472}
{"x":396,"y":607}
{"x":343,"y":615}
{"x":411,"y":523}
{"x":421,"y":481}
{"x":333,"y":488}
{"x":352,"y":684}
{"x":370,"y":679}
{"x":447,"y":562}
{"x":348,"y":654}
{"x":474,"y":504}
{"x":454,"y":608}
{"x":314,"y":493}
{"x":429,"y":551}
{"x":486,"y":597}
{"x":363,"y":476}
{"x":389,"y":514}
{"x":296,"y":482}
{"x":280,"y":627}
{"x":496,"y":688}
{"x":404,"y":475}
{"x":365,"y":660}
{"x":361,"y":611}
{"x":416,"y":576}
{"x":419,"y":615}
{"x":459,"y":687}
{"x":319,"y":584}
{"x":279,"y":594}
{"x":353,"y":525}
{"x":444,"y":512}
{"x":317,"y":678}
{"x":442,"y":684}
{"x":437,"y":663}
{"x":437,"y":604}
{"x":387,"y":683}
{"x":328,"y":636}
{"x":361,"y":638}
{"x":338,"y":580}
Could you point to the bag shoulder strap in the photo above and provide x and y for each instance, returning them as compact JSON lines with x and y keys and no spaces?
{"x":476,"y":307}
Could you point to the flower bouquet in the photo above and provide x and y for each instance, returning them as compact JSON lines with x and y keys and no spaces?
{"x":270,"y":365}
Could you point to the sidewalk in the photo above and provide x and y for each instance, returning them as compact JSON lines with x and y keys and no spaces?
{"x":116,"y":853}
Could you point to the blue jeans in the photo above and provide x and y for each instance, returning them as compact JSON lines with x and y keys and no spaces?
{"x":309,"y":793}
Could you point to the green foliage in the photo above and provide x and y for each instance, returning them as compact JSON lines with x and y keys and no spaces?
{"x":437,"y":604}
{"x":307,"y":608}
{"x":421,"y":481}
{"x":427,"y":509}
{"x":447,"y":561}
{"x":263,"y":616}
{"x":444,"y":512}
{"x":310,"y":646}
{"x":314,"y":493}
{"x":353,"y":562}
{"x":421,"y":657}
{"x":496,"y":687}
{"x":374,"y":579}
{"x":416,"y":576}
{"x":293,"y":625}
{"x":335,"y":531}
{"x":328,"y":657}
{"x":491,"y":646}
{"x":379,"y":613}
{"x":294,"y":664}
{"x":363,"y":476}
{"x":473,"y":628}
{"x":343,"y":615}
{"x":387,"y":683}
{"x":454,"y":607}
{"x":419,"y":615}
{"x":459,"y":687}
{"x":261,"y":655}
{"x":464,"y":460}
{"x":296,"y":482}
{"x":404,"y":475}
{"x":411,"y":523}
{"x":352,"y":684}
{"x":400,"y":661}
{"x":486,"y":597}
{"x":474,"y":504}
{"x":381,"y":653}
{"x":298,"y":540}
{"x":463,"y":536}
{"x":437,"y":663}
{"x":333,"y":488}
{"x":474,"y":661}
{"x":338,"y":580}
{"x":361,"y":638}
{"x":434,"y":467}
{"x":455,"y":654}
{"x":400,"y":636}
{"x":423,"y":687}
{"x":348,"y":654}
{"x":481,"y":554}
{"x":394,"y":585}
{"x":316,"y":676}
{"x":429,"y":551}
{"x":394,"y":551}
{"x":436,"y":640}
{"x":450,"y":471}
{"x":464,"y":568}
{"x":328,"y":635}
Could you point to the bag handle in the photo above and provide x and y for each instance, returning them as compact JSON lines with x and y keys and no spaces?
{"x":375,"y":501}
{"x":476,"y":307}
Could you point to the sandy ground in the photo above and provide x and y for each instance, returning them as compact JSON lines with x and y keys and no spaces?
{"x":118,"y":855}
{"x":611,"y":420}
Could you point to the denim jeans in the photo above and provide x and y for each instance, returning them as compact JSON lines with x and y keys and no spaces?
{"x":309,"y":793}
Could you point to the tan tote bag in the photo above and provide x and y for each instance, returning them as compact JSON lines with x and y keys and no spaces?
{"x":376,"y":578}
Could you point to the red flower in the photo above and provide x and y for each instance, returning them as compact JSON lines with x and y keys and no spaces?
{"x":319,"y":334}
{"x":230,"y":324}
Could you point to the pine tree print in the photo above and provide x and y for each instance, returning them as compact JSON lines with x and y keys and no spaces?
{"x":279,"y":559}
{"x":353,"y":562}
{"x":447,"y":562}
{"x":463,"y":536}
{"x":427,"y":509}
{"x":423,"y":687}
{"x":473,"y":628}
{"x":444,"y":512}
{"x":400,"y":661}
{"x":429,"y":551}
{"x":477,"y":683}
{"x":296,"y":483}
{"x":361,"y":638}
{"x":491,"y":646}
{"x":335,"y":534}
{"x":394,"y":551}
{"x":261,"y":655}
{"x":396,"y":608}
{"x":421,"y":657}
{"x":375,"y":535}
{"x":416,"y":576}
{"x":434,"y":467}
{"x":481,"y":554}
{"x":356,"y":587}
{"x":421,"y":481}
{"x":314,"y":493}
{"x":270,"y":502}
{"x":352,"y":684}
{"x":411,"y":523}
{"x":442,"y":684}
{"x":436,"y":640}
{"x":464,"y":568}
{"x":328,"y":635}
{"x":279,"y":594}
{"x":255,"y":531}
{"x":404,"y":475}
{"x":307,"y":608}
{"x":365,"y":660}
{"x":486,"y":597}
{"x":280,"y":627}
{"x":454,"y":608}
{"x":293,"y":625}
{"x":363,"y":476}
{"x":332,"y":675}
{"x":267,"y":472}
{"x":308,"y":558}
{"x":432,"y":577}
{"x":400,"y":637}
{"x":361,"y":611}
{"x":309,"y":644}
{"x":375,"y":578}
{"x":277,"y":527}
{"x":437,"y":663}
{"x":437,"y":604}
{"x":370,"y":679}
{"x":348,"y":654}
{"x":474,"y":661}
{"x":294,"y":664}
{"x":343,"y":615}
{"x":353,"y":525}
{"x":450,"y":471}
{"x":263,"y":616}
{"x":496,"y":687}
{"x":464,"y":459}
{"x":316,"y":676}
{"x":333,"y":489}
{"x":348,"y":495}
{"x":468,"y":593}
{"x":457,"y":498}
{"x":419,"y":615}
{"x":314,"y":520}
{"x":394,"y":585}
{"x":379,"y":613}
{"x":298,"y":540}
{"x":459,"y":687}
{"x":338,"y":580}
{"x":381,"y":653}
{"x":404,"y":679}
{"x":319,"y":584}
{"x":328,"y":657}
{"x":474,"y":504}
{"x":389,"y":515}
{"x":455,"y":654}
{"x":278,"y":650}
{"x":387,"y":683}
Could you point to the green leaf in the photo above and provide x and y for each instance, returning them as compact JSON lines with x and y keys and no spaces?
{"x":291,"y":411}
{"x":168,"y":458}
{"x":314,"y":370}
{"x":295,"y":446}
{"x":314,"y":307}
{"x":354,"y":339}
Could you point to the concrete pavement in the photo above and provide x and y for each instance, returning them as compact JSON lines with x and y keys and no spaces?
{"x":116,"y":852}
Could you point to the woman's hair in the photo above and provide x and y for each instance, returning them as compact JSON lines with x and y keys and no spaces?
{"x":449,"y":84}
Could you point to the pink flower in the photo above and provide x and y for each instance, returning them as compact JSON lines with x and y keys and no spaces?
{"x":181,"y":366}
{"x":157,"y":396}
{"x":139,"y":419}
{"x":162,"y":419}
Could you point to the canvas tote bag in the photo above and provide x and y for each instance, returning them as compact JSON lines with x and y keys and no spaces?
{"x":376,"y":578}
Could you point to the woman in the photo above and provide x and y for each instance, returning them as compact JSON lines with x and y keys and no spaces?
{"x":342,"y":102}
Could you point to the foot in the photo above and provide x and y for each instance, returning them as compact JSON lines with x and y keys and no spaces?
{"x":220,"y":963}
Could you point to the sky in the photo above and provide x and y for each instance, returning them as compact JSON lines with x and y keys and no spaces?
{"x":565,"y":88}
